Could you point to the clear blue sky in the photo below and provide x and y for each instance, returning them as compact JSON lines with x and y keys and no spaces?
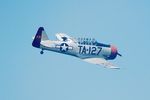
{"x":27,"y":75}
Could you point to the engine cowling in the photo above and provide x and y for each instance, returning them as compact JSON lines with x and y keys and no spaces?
{"x":114,"y":52}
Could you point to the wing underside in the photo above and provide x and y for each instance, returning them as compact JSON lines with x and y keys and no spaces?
{"x":100,"y":61}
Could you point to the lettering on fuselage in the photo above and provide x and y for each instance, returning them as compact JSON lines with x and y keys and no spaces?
{"x":90,"y":50}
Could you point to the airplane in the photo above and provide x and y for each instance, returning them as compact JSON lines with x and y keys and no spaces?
{"x":87,"y":49}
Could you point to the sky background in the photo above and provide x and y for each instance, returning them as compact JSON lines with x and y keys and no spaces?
{"x":27,"y":75}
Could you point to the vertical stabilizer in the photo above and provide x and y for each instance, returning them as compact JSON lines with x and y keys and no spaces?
{"x":40,"y":36}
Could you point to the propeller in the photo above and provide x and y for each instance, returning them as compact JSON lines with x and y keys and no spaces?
{"x":119,"y":54}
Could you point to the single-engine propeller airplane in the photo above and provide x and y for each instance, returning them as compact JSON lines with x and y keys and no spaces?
{"x":87,"y":49}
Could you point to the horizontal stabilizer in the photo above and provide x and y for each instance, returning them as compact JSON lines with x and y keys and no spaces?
{"x":64,"y":37}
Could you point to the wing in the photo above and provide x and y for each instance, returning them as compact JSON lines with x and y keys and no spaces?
{"x":64,"y":37}
{"x":100,"y":61}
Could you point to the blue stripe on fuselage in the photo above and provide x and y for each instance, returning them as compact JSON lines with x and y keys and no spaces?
{"x":102,"y":45}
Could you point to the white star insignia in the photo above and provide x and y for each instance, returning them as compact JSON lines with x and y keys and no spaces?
{"x":64,"y":47}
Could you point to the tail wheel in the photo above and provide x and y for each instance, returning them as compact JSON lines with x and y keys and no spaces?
{"x":41,"y":52}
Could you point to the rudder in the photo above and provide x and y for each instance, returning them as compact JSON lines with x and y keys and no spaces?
{"x":37,"y":39}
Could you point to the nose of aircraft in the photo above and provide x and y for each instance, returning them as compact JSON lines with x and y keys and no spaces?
{"x":113,"y":49}
{"x":114,"y":52}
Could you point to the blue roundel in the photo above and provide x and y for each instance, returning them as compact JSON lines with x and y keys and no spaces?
{"x":64,"y":47}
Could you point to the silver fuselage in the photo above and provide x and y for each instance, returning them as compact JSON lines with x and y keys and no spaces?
{"x":75,"y":49}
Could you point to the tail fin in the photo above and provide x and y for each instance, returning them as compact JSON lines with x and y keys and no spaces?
{"x":40,"y":36}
